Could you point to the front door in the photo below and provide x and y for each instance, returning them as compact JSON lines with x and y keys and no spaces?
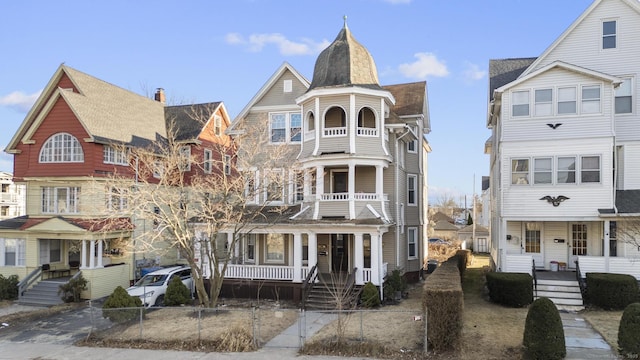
{"x":578,"y":243}
{"x":339,"y":253}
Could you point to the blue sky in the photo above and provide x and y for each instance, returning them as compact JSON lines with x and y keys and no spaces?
{"x":201,"y":51}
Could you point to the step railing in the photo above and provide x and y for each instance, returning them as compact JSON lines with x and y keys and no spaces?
{"x":26,"y":283}
{"x":308,"y":284}
{"x":581,"y":282}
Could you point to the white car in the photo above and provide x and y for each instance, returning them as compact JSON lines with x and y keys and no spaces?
{"x":152,"y":287}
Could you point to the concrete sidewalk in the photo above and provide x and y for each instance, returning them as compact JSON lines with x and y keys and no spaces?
{"x":294,"y":336}
{"x":582,"y":341}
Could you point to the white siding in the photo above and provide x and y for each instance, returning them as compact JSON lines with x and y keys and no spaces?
{"x":631,"y":167}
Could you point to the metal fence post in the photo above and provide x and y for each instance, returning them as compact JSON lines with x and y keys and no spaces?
{"x":199,"y":323}
{"x":92,"y":319}
{"x":141,"y":315}
{"x":361,"y":327}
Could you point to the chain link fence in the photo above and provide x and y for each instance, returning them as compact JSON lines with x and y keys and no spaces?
{"x":270,"y":327}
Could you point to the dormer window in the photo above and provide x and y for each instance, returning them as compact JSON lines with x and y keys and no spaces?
{"x":609,"y":31}
{"x":113,"y":155}
{"x":61,"y":148}
{"x":288,"y":86}
{"x":217,"y":125}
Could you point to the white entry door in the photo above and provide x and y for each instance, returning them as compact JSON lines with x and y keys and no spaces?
{"x":578,"y":243}
{"x":532,"y":243}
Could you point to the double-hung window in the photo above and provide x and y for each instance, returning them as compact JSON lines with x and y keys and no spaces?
{"x":567,"y":101}
{"x":566,"y":173}
{"x":412,"y":187}
{"x":520,"y":103}
{"x":285,"y":127}
{"x":217,"y":125}
{"x":207,"y":161}
{"x":185,"y":158}
{"x":412,"y":242}
{"x":250,"y":248}
{"x":12,"y":252}
{"x":60,"y":200}
{"x":117,"y":199}
{"x":112,"y":155}
{"x":590,"y":99}
{"x":274,"y":248}
{"x":273,"y":182}
{"x":609,"y":34}
{"x":412,"y":146}
{"x":520,"y":171}
{"x":624,"y":97}
{"x":590,"y":169}
{"x":542,"y":170}
{"x":227,"y":164}
{"x":543,"y":102}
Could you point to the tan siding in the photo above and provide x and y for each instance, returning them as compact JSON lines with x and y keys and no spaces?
{"x":388,"y":249}
{"x":370,"y":146}
{"x":276,"y":95}
{"x":365,"y":179}
{"x":102,"y":282}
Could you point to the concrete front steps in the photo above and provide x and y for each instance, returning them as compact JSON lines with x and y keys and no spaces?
{"x":44,"y":293}
{"x":564,"y":293}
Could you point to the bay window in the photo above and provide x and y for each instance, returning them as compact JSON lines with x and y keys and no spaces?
{"x":60,"y":200}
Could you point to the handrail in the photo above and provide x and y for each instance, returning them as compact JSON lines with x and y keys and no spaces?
{"x":581,"y":282}
{"x":535,"y":278}
{"x":308,"y":284}
{"x":25,"y":283}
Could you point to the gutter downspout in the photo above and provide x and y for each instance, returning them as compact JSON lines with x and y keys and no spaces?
{"x":397,"y":177}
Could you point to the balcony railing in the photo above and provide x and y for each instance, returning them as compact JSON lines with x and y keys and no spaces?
{"x":8,"y":197}
{"x":335,"y":131}
{"x":356,"y":196}
{"x":260,"y":272}
{"x":364,"y":131}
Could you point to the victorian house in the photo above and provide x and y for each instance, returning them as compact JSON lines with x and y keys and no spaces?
{"x":356,"y":196}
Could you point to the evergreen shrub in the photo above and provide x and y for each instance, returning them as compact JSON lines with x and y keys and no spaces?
{"x":119,"y":306}
{"x":543,"y":333}
{"x":629,"y":332}
{"x":510,"y":289}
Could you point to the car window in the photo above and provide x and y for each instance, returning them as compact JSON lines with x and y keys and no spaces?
{"x":185,"y":274}
{"x":151,"y":280}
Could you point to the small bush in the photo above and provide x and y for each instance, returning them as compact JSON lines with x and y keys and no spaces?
{"x":118,"y":306}
{"x":72,"y":291}
{"x":9,"y":287}
{"x":370,"y":297}
{"x":628,"y":338}
{"x":611,"y":291}
{"x":394,"y":283}
{"x":177,"y":293}
{"x":543,"y":333}
{"x":510,"y":289}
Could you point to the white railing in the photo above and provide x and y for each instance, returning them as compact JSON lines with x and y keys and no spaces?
{"x":7,"y":197}
{"x":518,"y":263}
{"x":335,"y":131}
{"x":617,"y":265}
{"x":364,"y":131}
{"x":266,"y":272}
{"x":334,"y":197}
{"x":369,"y":196}
{"x":366,"y":275}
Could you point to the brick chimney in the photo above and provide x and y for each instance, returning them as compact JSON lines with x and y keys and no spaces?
{"x":159,"y":96}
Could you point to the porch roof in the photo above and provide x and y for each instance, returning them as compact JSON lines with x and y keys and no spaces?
{"x":627,"y":202}
{"x":92,"y":224}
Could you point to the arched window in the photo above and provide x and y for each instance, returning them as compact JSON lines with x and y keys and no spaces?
{"x":335,"y":117}
{"x":366,"y":118}
{"x":311,"y":121}
{"x":60,"y":148}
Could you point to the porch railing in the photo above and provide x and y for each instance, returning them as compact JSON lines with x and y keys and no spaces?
{"x":365,"y":131}
{"x":309,"y":283}
{"x":266,"y":272}
{"x":25,"y":283}
{"x":335,"y":131}
{"x":581,"y":282}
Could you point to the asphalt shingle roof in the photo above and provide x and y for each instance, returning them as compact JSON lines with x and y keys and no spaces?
{"x":187,"y":121}
{"x":627,"y":202}
{"x":504,"y":71}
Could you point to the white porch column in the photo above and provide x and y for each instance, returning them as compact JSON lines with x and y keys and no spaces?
{"x":99,"y":254}
{"x":359,"y":259}
{"x":231,"y":251}
{"x":83,"y":255}
{"x":607,"y":244}
{"x":376,"y":259}
{"x":379,"y":181}
{"x":92,"y":254}
{"x":306,"y":190}
{"x":313,"y":250}
{"x":352,"y":191}
{"x":297,"y":257}
{"x":319,"y":181}
{"x":236,"y":248}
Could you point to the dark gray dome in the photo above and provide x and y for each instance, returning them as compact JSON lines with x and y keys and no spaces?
{"x":345,"y":63}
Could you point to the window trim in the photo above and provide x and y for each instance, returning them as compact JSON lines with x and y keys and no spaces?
{"x":604,"y":36}
{"x":535,"y":170}
{"x":574,"y":101}
{"x":536,"y":102}
{"x":412,"y":240}
{"x":56,"y":144}
{"x":282,"y":237}
{"x":590,"y":100}
{"x":49,"y":199}
{"x":528,"y":103}
{"x":413,"y":177}
{"x":288,"y":129}
{"x":582,"y":170}
{"x":527,"y":173}
{"x":20,"y":252}
{"x":207,"y":161}
{"x":631,"y":81}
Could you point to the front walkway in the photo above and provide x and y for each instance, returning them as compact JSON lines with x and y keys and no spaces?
{"x":582,"y":341}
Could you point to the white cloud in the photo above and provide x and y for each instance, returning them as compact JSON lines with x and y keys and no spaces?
{"x":426,"y":65}
{"x":257,"y":42}
{"x":19,"y":101}
{"x":472,"y":72}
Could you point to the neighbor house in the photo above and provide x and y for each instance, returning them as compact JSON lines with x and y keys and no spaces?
{"x":12,"y":197}
{"x":356,"y":203}
{"x":75,"y":137}
{"x":565,"y":148}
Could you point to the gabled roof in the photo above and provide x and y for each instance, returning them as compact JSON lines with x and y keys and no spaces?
{"x":411,"y":100}
{"x":560,"y":65}
{"x":107,"y":112}
{"x":634,"y":4}
{"x":188,"y":121}
{"x":94,"y":225}
{"x":265,"y":88}
{"x":469,"y":229}
{"x":439,"y":216}
{"x":504,"y":71}
{"x":445,"y":225}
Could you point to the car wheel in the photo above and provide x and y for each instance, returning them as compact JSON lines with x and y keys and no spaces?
{"x":159,"y":301}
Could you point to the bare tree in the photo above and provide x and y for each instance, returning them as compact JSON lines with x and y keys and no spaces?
{"x":627,"y":231}
{"x":201,"y":205}
{"x":447,"y":204}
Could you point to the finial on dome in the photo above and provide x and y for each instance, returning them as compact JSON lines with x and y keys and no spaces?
{"x":345,"y":20}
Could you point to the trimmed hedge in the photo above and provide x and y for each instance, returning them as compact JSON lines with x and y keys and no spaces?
{"x":443,"y":302}
{"x":543,"y":333}
{"x":628,"y":338}
{"x":611,"y":291}
{"x":464,"y":258}
{"x":510,"y":289}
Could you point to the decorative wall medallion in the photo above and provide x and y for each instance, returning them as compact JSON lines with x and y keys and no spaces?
{"x":554,"y":126}
{"x":555,"y":200}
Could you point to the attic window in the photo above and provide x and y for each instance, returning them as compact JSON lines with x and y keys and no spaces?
{"x":609,"y":34}
{"x":288,"y":86}
{"x":61,"y":148}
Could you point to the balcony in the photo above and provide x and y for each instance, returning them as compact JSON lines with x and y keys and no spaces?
{"x":366,"y":131}
{"x":335,"y":131}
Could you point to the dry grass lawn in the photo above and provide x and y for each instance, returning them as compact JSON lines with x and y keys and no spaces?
{"x":606,"y":323}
